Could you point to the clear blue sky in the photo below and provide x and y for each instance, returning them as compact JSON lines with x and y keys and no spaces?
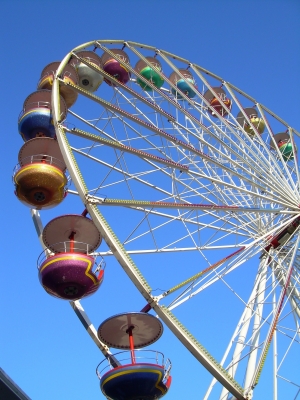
{"x":252,"y":44}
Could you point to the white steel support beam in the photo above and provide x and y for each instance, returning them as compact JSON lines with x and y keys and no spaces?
{"x":275,"y":352}
{"x":259,"y":303}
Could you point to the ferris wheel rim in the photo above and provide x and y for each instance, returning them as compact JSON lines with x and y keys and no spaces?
{"x":103,"y":226}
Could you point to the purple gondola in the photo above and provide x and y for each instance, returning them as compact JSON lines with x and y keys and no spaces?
{"x":114,"y":68}
{"x":68,"y":273}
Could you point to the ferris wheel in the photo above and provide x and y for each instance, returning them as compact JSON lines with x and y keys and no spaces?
{"x":193,"y":186}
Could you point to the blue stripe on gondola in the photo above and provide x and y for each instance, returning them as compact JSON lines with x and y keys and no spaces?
{"x":134,"y":381}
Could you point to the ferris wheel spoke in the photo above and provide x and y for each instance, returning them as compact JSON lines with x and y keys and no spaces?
{"x":294,"y":149}
{"x":227,"y":177}
{"x":134,"y":205}
{"x":115,"y":143}
{"x":168,"y":99}
{"x":230,"y":171}
{"x":226,"y":123}
{"x":214,"y":276}
{"x":192,"y":206}
{"x":274,"y":164}
{"x":248,"y":169}
{"x":281,"y":176}
{"x":194,"y":278}
{"x":292,"y":289}
{"x":142,"y":205}
{"x":246,"y":191}
{"x":278,"y":310}
{"x":181,"y":182}
{"x":184,"y":167}
{"x":285,"y":167}
{"x":258,"y":159}
{"x":127,"y":149}
{"x":129,"y":90}
{"x":213,"y":280}
{"x":183,"y":237}
{"x":229,"y":194}
{"x":240,"y":333}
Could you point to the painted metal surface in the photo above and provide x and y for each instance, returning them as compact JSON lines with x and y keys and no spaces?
{"x":56,"y":234}
{"x":69,"y":276}
{"x":138,"y":381}
{"x":146,"y":329}
{"x":40,"y":185}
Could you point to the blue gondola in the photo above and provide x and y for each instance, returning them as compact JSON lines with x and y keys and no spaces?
{"x":139,"y":374}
